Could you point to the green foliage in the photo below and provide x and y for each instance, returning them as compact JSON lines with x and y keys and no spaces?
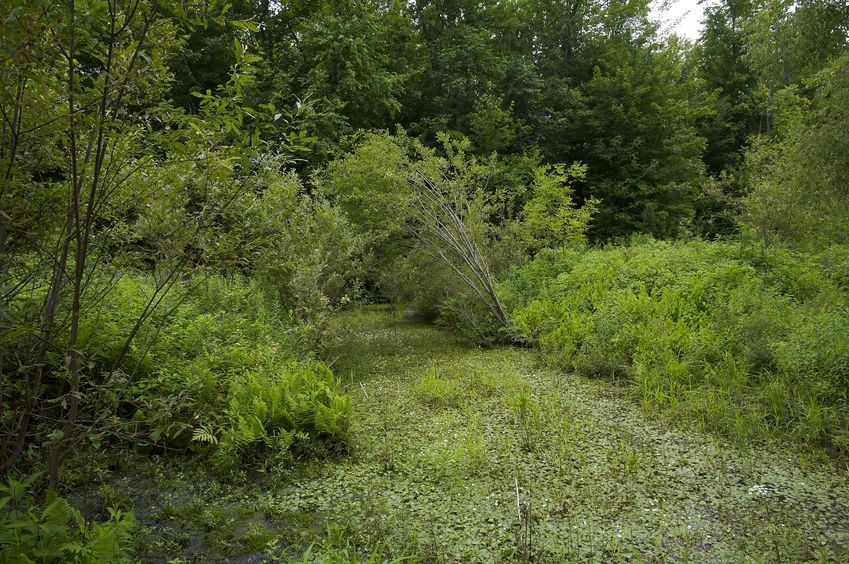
{"x":835,"y":265}
{"x":56,"y":531}
{"x":470,"y":320}
{"x":440,"y":227}
{"x":136,"y":186}
{"x":459,"y":456}
{"x":742,"y":339}
{"x":182,"y":363}
{"x":219,"y":371}
{"x":369,"y":185}
{"x":170,"y":271}
{"x":789,"y":43}
{"x":347,"y":58}
{"x":550,"y":217}
{"x":521,"y":285}
{"x":437,"y":389}
{"x":798,"y":177}
{"x":300,"y":407}
{"x":633,"y":125}
{"x":726,"y":72}
{"x":351,"y":62}
{"x":308,"y":255}
{"x":427,"y":483}
{"x":494,"y":128}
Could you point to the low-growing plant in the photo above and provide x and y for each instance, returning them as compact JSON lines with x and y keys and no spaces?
{"x":528,"y":417}
{"x":464,"y":453}
{"x":298,"y":407}
{"x":55,"y":531}
{"x":219,"y":372}
{"x":438,"y":390}
{"x":626,"y":459}
{"x":745,"y":339}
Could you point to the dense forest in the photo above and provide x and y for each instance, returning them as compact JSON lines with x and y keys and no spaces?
{"x":423,"y":280}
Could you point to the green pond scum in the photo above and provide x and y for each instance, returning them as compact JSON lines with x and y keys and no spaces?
{"x":462,"y":454}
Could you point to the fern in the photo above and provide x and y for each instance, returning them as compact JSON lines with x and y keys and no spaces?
{"x":205,"y":434}
{"x":301,"y":406}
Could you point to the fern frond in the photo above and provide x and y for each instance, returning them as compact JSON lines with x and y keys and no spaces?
{"x":205,"y":434}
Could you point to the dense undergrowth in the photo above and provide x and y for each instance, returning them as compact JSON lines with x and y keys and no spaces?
{"x":58,"y":532}
{"x":224,"y":374}
{"x":444,"y":436}
{"x":742,"y":338}
{"x":219,"y":376}
{"x":193,"y":194}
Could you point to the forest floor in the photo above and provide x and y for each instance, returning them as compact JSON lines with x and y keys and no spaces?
{"x":466,"y":454}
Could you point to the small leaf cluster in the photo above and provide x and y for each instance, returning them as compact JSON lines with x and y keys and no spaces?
{"x":56,"y":531}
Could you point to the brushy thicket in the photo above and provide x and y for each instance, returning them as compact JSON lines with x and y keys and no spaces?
{"x":745,"y":339}
{"x":220,"y":370}
{"x":223,"y":372}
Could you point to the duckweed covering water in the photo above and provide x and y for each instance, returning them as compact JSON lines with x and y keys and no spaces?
{"x":525,"y":462}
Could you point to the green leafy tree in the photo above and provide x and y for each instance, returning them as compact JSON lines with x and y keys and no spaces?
{"x":798,"y":177}
{"x":726,"y":71}
{"x":493,"y":127}
{"x":634,"y":126}
{"x":132,"y":183}
{"x":790,"y":42}
{"x":351,"y":61}
{"x":550,"y":218}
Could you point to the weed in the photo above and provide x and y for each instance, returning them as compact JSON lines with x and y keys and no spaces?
{"x":435,"y":389}
{"x":56,"y":531}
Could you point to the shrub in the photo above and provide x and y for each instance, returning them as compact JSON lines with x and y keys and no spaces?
{"x":310,"y":260}
{"x":797,"y":176}
{"x":472,"y":321}
{"x":739,"y":336}
{"x":222,"y":330}
{"x":523,"y":285}
{"x":300,"y":406}
{"x":221,"y":372}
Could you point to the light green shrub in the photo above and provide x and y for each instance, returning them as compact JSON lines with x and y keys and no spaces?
{"x":742,"y":337}
{"x":298,"y":406}
{"x":522,"y":285}
{"x":221,"y":373}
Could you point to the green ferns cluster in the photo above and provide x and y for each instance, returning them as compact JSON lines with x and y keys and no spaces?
{"x":302,"y":406}
{"x":744,"y":339}
{"x":224,"y":374}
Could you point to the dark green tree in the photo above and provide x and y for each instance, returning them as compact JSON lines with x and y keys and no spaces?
{"x":727,"y":73}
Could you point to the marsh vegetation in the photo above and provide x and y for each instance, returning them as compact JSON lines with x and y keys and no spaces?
{"x":430,"y":281}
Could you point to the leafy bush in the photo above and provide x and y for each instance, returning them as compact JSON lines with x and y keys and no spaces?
{"x":222,"y":372}
{"x":301,"y":406}
{"x":442,"y":223}
{"x":797,"y":176}
{"x":472,"y":321}
{"x":744,"y":338}
{"x":57,"y":532}
{"x":309,"y":258}
{"x":550,"y":217}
